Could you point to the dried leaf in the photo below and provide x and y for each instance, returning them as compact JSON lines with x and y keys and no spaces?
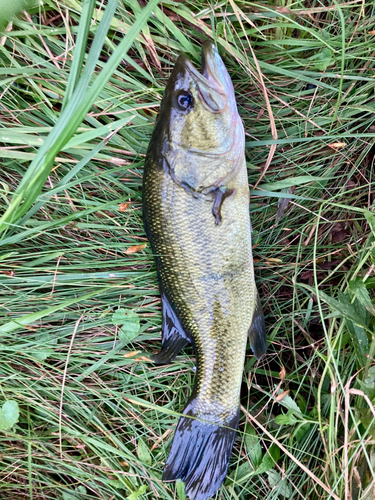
{"x":330,"y":265}
{"x":8,"y":273}
{"x":283,"y":203}
{"x":123,"y":206}
{"x":131,"y":354}
{"x":135,"y":248}
{"x":350,"y":185}
{"x":282,"y":373}
{"x":118,"y":161}
{"x":307,"y":275}
{"x":338,"y":236}
{"x":281,"y":396}
{"x":337,"y":145}
{"x":339,"y":233}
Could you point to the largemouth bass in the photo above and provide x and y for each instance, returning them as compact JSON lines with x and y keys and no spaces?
{"x":196,"y":215}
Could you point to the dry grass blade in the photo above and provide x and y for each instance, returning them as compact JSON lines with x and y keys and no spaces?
{"x":63,"y":381}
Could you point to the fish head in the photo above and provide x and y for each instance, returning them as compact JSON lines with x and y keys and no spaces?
{"x":198,"y":126}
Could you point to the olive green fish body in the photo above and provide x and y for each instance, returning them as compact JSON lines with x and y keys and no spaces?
{"x":206,"y":272}
{"x":196,"y":213}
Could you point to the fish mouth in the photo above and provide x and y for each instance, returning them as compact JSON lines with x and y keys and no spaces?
{"x":212,"y":82}
{"x":211,"y":62}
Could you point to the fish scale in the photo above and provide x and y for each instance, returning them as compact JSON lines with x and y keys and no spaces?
{"x":204,"y":261}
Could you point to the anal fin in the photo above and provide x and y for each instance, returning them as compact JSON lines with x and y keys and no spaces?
{"x":174,"y":338}
{"x":257,"y":332}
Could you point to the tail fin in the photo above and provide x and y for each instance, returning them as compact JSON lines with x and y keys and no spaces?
{"x":200,"y":453}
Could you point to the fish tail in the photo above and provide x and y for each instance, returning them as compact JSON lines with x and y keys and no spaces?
{"x":200,"y":451}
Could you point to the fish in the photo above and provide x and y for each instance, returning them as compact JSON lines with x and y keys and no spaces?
{"x":196,"y":217}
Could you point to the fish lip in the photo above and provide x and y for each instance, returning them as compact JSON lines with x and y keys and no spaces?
{"x":210,"y":70}
{"x":211,"y":82}
{"x":209,"y":76}
{"x":188,"y":65}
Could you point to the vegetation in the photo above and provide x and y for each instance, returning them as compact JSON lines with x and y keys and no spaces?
{"x":83,"y":413}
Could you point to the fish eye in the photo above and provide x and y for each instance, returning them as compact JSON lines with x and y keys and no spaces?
{"x":185,"y":100}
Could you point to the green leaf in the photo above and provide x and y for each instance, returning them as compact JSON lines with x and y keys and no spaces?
{"x":282,"y":419}
{"x":130,"y":324}
{"x":138,"y":493}
{"x":119,"y":317}
{"x":269,"y":459}
{"x":291,"y":181}
{"x":130,"y":329}
{"x":116,"y":483}
{"x":9,"y":415}
{"x":300,"y":431}
{"x":79,"y":49}
{"x":359,"y":340}
{"x":143,"y":452}
{"x":42,"y":354}
{"x":286,"y":419}
{"x":370,"y":217}
{"x":9,"y":9}
{"x":223,"y":30}
{"x":44,"y":351}
{"x":289,"y":403}
{"x":367,"y":420}
{"x":240,"y":474}
{"x":342,"y":307}
{"x":45,"y":258}
{"x":180,"y":490}
{"x":102,"y":131}
{"x":68,"y":496}
{"x":360,"y":292}
{"x":323,"y":59}
{"x":280,"y":485}
{"x":253,"y":447}
{"x":368,"y":384}
{"x":63,"y":184}
{"x":76,"y":495}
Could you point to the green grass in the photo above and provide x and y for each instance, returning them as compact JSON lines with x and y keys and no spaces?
{"x":96,"y":419}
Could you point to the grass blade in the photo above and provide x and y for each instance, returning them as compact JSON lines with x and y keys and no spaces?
{"x":72,"y":116}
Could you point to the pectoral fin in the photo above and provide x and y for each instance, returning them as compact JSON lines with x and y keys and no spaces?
{"x":174,"y":338}
{"x":257,"y":332}
{"x":220,"y":195}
